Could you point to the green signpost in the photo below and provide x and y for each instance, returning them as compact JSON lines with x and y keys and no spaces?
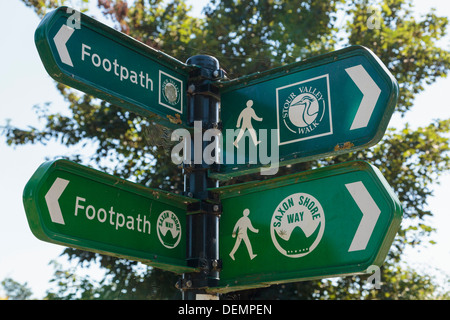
{"x":85,"y":54}
{"x":332,"y":221}
{"x":79,"y":207}
{"x":327,"y":105}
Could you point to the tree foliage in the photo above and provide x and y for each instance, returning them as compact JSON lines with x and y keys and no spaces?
{"x":125,"y":282}
{"x":407,"y":46}
{"x":249,"y":36}
{"x":15,"y":290}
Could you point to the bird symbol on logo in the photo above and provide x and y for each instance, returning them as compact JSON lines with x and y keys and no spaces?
{"x":303,"y":111}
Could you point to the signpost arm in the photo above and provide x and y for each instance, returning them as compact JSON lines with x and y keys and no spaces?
{"x":202,"y":227}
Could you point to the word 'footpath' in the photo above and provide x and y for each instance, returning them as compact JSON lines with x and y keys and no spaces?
{"x":124,"y":73}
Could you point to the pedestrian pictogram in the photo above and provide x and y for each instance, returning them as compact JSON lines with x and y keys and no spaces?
{"x":245,"y":118}
{"x":240,"y":232}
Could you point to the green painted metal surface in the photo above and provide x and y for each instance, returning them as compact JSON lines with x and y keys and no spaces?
{"x":76,"y":206}
{"x":327,"y":222}
{"x":85,"y":54}
{"x":331,"y":104}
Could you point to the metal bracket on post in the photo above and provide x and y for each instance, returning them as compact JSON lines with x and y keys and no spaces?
{"x":204,"y":207}
{"x":202,"y":245}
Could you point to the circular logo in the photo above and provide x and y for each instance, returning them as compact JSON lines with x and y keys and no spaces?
{"x":170,"y":91}
{"x":169,"y":229}
{"x":297,"y":225}
{"x":303,"y":113}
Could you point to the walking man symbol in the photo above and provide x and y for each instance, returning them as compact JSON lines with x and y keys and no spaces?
{"x":243,"y":224}
{"x":246,"y":117}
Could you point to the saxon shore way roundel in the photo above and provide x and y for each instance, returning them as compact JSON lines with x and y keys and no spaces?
{"x":297,"y":225}
{"x":169,"y":229}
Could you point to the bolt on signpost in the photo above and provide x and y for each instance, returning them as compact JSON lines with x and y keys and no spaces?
{"x":331,"y":221}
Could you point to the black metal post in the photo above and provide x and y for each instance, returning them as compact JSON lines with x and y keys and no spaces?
{"x":203,"y":227}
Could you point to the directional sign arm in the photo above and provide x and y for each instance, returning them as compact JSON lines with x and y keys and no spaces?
{"x":355,"y":225}
{"x":112,"y":66}
{"x":370,"y":91}
{"x":79,"y":207}
{"x":51,"y":198}
{"x":351,"y":97}
{"x":370,"y":212}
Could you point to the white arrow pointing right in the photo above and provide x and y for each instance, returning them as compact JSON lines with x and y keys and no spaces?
{"x":370,"y":92}
{"x":370,"y":212}
{"x":61,"y":39}
{"x":52,"y":197}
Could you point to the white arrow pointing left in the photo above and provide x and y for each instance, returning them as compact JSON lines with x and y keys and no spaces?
{"x":370,"y":92}
{"x":370,"y":212}
{"x":52,"y":197}
{"x":61,"y":39}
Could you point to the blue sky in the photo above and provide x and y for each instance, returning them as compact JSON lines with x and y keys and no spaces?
{"x":24,"y":83}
